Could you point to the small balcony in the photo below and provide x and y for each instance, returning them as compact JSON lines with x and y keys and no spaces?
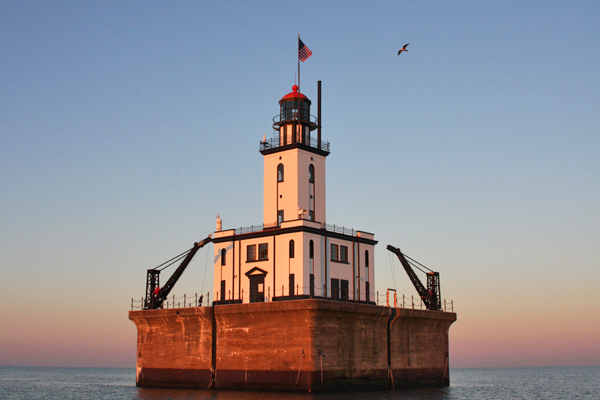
{"x":291,"y":116}
{"x":294,"y":140}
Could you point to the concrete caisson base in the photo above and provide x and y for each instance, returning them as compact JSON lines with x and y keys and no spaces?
{"x":305,"y":345}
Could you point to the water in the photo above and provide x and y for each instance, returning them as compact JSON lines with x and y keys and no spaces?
{"x":478,"y":384}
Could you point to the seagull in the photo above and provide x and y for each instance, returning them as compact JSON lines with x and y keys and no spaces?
{"x":403,"y":49}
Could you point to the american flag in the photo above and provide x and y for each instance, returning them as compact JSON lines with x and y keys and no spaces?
{"x":303,"y":51}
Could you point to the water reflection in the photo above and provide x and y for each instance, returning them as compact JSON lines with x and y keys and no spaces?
{"x":402,"y":394}
{"x":543,"y":383}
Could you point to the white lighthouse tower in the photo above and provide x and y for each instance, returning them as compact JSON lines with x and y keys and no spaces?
{"x":294,"y":254}
{"x":294,"y":177}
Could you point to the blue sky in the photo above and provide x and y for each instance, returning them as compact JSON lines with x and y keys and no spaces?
{"x":126,"y":127}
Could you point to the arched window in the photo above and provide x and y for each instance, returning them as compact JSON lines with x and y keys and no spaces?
{"x":311,"y":249}
{"x":223,"y":254}
{"x":280,"y":173}
{"x":311,"y":173}
{"x":366,"y":258}
{"x":291,"y":248}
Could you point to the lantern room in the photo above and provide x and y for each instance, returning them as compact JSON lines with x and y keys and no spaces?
{"x":294,"y":121}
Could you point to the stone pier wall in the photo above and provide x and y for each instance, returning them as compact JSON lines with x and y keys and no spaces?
{"x":306,"y":345}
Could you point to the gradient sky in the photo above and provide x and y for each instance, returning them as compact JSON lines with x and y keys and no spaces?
{"x":126,"y":127}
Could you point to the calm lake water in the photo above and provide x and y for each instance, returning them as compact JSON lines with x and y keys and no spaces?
{"x":477,"y":384}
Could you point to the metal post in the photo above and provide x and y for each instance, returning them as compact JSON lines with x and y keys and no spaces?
{"x":378,"y":297}
{"x":184,"y":300}
{"x":318,"y":115}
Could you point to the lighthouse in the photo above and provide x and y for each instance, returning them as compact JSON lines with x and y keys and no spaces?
{"x":292,"y":305}
{"x":294,"y":253}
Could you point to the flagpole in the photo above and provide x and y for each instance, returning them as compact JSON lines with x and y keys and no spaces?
{"x":298,"y":62}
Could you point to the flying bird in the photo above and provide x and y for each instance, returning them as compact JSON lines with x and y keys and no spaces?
{"x":403,"y":49}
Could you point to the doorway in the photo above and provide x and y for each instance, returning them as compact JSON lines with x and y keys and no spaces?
{"x":257,"y":288}
{"x":257,"y":284}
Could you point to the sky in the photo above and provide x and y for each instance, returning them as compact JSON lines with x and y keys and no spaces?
{"x":126,"y":127}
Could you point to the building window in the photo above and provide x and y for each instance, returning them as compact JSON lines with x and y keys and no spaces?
{"x":280,"y":173}
{"x":279,"y":217}
{"x":366,"y":258}
{"x":339,"y":253}
{"x":292,"y":249}
{"x":335,"y":255}
{"x":344,"y":254}
{"x":311,"y":250}
{"x":251,"y":253}
{"x":263,"y":251}
{"x":311,"y":173}
{"x":223,"y":254}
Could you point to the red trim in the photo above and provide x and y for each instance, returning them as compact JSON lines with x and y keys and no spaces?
{"x":294,"y":94}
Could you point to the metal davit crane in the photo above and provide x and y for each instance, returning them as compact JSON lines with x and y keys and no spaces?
{"x":155,"y":295}
{"x":429,"y":296}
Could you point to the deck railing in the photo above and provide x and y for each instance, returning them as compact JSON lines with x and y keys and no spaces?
{"x":390,"y":299}
{"x":339,"y":229}
{"x":327,"y":227}
{"x":255,"y":228}
{"x":290,"y":139}
{"x":384,"y":300}
{"x":177,"y":302}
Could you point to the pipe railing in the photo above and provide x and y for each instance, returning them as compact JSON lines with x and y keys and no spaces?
{"x":277,"y":141}
{"x":385,"y":300}
{"x":328,"y":227}
{"x":177,"y":302}
{"x":292,"y":116}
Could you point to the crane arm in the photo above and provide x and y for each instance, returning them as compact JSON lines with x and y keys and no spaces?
{"x":423,"y":293}
{"x":155,"y":296}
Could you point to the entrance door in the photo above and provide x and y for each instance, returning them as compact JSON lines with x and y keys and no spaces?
{"x":344,"y":290}
{"x":335,"y":289}
{"x":257,"y":288}
{"x":292,"y":285}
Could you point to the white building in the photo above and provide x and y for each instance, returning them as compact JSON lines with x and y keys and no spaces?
{"x":294,"y":254}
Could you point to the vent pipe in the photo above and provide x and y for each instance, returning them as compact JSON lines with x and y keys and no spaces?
{"x":319,"y":114}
